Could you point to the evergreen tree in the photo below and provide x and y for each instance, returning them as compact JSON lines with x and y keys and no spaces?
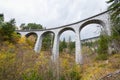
{"x":47,"y":42}
{"x":1,"y":18}
{"x":63,"y":45}
{"x":30,"y":26}
{"x":71,"y":45}
{"x":7,"y":32}
{"x":115,"y":22}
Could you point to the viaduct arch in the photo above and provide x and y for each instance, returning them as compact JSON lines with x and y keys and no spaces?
{"x":103,"y":19}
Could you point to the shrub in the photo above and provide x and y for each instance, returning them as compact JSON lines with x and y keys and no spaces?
{"x":102,"y":48}
{"x":102,"y":57}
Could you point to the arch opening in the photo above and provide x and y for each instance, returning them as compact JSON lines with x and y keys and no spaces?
{"x":31,"y":38}
{"x":47,"y":42}
{"x":90,"y":34}
{"x":67,"y":45}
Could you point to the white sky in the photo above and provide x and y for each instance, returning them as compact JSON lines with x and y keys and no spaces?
{"x":50,"y":13}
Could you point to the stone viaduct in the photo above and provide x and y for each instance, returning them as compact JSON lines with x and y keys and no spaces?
{"x":101,"y":19}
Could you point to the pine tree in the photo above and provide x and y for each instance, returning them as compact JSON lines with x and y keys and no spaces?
{"x":115,"y":22}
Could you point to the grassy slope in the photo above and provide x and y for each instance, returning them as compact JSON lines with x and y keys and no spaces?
{"x":96,"y":69}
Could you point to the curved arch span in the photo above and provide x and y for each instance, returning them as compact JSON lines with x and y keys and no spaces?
{"x":65,"y":29}
{"x":94,"y":21}
{"x":47,"y":32}
{"x":18,"y":33}
{"x":31,"y":33}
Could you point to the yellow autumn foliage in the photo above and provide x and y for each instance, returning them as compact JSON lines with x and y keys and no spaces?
{"x":22,"y":40}
{"x":20,"y":62}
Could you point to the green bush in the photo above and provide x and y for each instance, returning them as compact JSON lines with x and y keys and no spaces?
{"x":103,"y":48}
{"x":102,"y":57}
{"x":32,"y":76}
{"x":103,"y":44}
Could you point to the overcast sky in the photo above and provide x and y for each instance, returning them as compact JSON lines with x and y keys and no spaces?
{"x":50,"y":13}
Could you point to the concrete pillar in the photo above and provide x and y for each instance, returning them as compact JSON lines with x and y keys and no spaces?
{"x":108,"y":26}
{"x":38,"y":44}
{"x":78,"y":52}
{"x":55,"y":50}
